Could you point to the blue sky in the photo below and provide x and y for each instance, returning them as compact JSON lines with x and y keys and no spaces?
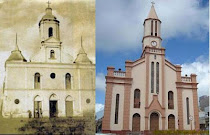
{"x":119,"y":29}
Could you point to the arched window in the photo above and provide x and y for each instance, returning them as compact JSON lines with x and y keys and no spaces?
{"x":170,"y":100}
{"x":155,"y":28}
{"x":152,"y":77}
{"x":68,"y":81}
{"x":152,"y":28}
{"x":137,"y":98}
{"x":116,"y":108}
{"x":157,"y":78}
{"x":50,"y":32}
{"x":188,"y":111}
{"x":171,"y":122}
{"x":37,"y":81}
{"x":52,"y":54}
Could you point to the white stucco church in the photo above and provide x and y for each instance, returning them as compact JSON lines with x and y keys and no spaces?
{"x":150,"y":94}
{"x":52,"y":83}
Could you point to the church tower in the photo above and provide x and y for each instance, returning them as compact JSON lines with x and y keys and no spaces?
{"x":152,"y":27}
{"x":50,"y":36}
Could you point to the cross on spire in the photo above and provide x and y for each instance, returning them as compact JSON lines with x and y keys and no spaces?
{"x":153,"y":3}
{"x":48,"y":3}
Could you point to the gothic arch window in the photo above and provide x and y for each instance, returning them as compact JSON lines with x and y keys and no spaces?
{"x":50,"y":32}
{"x":52,"y":54}
{"x":155,"y":28}
{"x":37,"y":81}
{"x":137,"y":102}
{"x":151,"y":27}
{"x":116,"y":108}
{"x":188,"y":110}
{"x":152,"y":77}
{"x":170,"y":100}
{"x":157,"y":77}
{"x":68,"y":81}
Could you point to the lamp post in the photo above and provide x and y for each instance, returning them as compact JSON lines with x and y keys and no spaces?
{"x":191,"y":118}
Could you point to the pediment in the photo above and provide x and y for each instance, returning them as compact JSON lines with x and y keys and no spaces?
{"x":52,"y":39}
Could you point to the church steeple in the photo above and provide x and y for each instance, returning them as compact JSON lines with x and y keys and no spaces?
{"x":16,"y":54}
{"x":82,"y":56}
{"x":152,"y":30}
{"x":49,"y":25}
{"x":152,"y":13}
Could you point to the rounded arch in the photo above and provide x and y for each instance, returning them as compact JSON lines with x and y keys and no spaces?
{"x":53,"y":97}
{"x":137,"y":98}
{"x":170,"y":100}
{"x":171,"y":122}
{"x":50,"y":32}
{"x":154,"y":120}
{"x":37,"y":98}
{"x":136,"y":123}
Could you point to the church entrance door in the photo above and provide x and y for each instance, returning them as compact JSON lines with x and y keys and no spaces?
{"x":69,"y":108}
{"x":154,"y":121}
{"x":37,"y":109}
{"x":136,"y":123}
{"x":53,"y":108}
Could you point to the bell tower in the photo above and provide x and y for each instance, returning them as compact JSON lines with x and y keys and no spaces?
{"x":152,"y":30}
{"x":50,"y":36}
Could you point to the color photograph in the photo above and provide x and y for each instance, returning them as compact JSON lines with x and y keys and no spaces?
{"x":152,"y":67}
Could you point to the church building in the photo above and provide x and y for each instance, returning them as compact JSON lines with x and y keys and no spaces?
{"x":150,"y":94}
{"x":52,"y":83}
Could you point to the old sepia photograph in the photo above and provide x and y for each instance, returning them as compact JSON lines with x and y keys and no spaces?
{"x":47,"y":67}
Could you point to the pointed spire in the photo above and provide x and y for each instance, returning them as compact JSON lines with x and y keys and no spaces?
{"x":152,"y":13}
{"x":16,"y":45}
{"x":81,"y":49}
{"x":82,"y":56}
{"x":16,"y":54}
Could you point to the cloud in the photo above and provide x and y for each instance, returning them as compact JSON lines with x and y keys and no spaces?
{"x":22,"y":16}
{"x":99,"y":107}
{"x":120,"y":24}
{"x":200,"y":67}
{"x":100,"y":81}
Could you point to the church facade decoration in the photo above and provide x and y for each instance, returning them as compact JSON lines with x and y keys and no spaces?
{"x":150,"y":94}
{"x":52,"y":83}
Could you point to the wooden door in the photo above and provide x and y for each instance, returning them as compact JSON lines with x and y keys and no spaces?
{"x":171,"y":122}
{"x":69,"y":108}
{"x":154,"y":121}
{"x":136,"y":123}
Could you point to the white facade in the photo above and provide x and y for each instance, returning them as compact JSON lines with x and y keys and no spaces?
{"x":50,"y":82}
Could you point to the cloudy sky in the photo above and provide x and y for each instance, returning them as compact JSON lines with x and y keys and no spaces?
{"x":77,"y":18}
{"x":119,"y":30}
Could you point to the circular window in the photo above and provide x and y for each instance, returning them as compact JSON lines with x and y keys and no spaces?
{"x":17,"y":101}
{"x":88,"y":100}
{"x":52,"y":75}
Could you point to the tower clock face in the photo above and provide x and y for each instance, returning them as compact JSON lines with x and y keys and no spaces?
{"x":154,"y":43}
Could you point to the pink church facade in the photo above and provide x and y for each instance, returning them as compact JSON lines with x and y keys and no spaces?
{"x":150,"y":94}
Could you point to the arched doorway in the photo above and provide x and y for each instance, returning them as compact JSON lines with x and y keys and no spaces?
{"x":136,"y":123}
{"x":69,"y":106}
{"x":53,"y":106}
{"x":171,"y":122}
{"x":37,"y":107}
{"x":154,"y":121}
